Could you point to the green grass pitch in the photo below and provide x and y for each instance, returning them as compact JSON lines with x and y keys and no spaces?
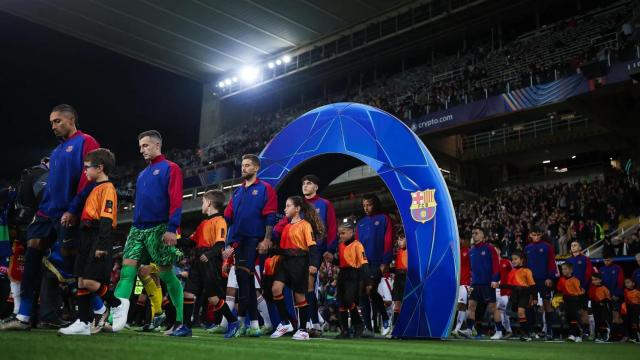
{"x":45,"y":344}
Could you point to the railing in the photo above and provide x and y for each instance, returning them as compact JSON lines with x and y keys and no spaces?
{"x":585,"y":171}
{"x":618,"y":234}
{"x":525,"y":131}
{"x":449,"y":75}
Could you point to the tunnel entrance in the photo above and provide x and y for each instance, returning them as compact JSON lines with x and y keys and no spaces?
{"x":332,"y":139}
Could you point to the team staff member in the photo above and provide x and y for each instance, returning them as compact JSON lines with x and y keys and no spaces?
{"x":582,"y":270}
{"x":485,"y":276}
{"x":613,"y":279}
{"x":61,"y":204}
{"x":541,"y":259}
{"x":251,"y":213}
{"x":327,"y":214}
{"x":374,"y":231}
{"x":156,"y":219}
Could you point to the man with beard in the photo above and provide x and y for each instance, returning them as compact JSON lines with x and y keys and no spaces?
{"x":251,"y":213}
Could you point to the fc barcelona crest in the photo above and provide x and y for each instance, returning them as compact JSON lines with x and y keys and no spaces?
{"x":423,"y":205}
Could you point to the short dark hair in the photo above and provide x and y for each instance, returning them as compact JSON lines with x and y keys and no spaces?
{"x":400,"y":232}
{"x":518,"y":253}
{"x":68,"y":109}
{"x":312,"y":178}
{"x":216,"y":197}
{"x":104,"y":157}
{"x":374,"y":199}
{"x":478,"y":227}
{"x":253,"y":158}
{"x":348,"y":223}
{"x":568,"y":265}
{"x":152,"y":134}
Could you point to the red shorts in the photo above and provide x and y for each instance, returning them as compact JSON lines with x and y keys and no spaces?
{"x":16,"y":263}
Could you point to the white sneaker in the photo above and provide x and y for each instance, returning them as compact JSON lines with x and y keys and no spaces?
{"x":389,"y":335}
{"x":300,"y":335}
{"x":497,"y":335}
{"x":578,"y":339}
{"x":77,"y":328}
{"x":283,"y":329}
{"x":385,"y":331}
{"x":572,"y":338}
{"x":120,"y":314}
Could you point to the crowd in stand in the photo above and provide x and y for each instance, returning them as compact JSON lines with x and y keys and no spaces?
{"x":582,"y":211}
{"x":474,"y":73}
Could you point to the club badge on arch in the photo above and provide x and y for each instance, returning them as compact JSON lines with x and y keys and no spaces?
{"x":423,"y":205}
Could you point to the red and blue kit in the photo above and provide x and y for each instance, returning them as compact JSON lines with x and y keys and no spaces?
{"x":67,"y":177}
{"x":374,"y":232}
{"x":159,"y":195}
{"x":327,"y":214}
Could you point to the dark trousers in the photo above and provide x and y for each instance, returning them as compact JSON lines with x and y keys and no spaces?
{"x":50,"y":297}
{"x":602,"y":317}
{"x":572,"y":305}
{"x":372,"y":305}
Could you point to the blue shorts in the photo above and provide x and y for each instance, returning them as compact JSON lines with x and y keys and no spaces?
{"x":484,"y":294}
{"x":542,"y":289}
{"x":51,"y":231}
{"x":246,"y":253}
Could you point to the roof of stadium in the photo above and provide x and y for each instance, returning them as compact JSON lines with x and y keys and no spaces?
{"x":201,"y":39}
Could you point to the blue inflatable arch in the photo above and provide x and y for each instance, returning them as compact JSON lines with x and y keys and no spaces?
{"x":335,"y":138}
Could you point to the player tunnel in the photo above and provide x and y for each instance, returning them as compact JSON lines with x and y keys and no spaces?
{"x":332,"y":139}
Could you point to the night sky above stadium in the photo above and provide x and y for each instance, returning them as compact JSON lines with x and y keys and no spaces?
{"x":116,"y":96}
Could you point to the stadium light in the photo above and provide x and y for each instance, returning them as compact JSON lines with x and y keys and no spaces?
{"x":278,"y":62}
{"x":249,"y":74}
{"x":546,"y":161}
{"x":221,"y":84}
{"x":573,"y":157}
{"x":235,"y":79}
{"x":271,"y":65}
{"x":286,"y":59}
{"x":227,"y":82}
